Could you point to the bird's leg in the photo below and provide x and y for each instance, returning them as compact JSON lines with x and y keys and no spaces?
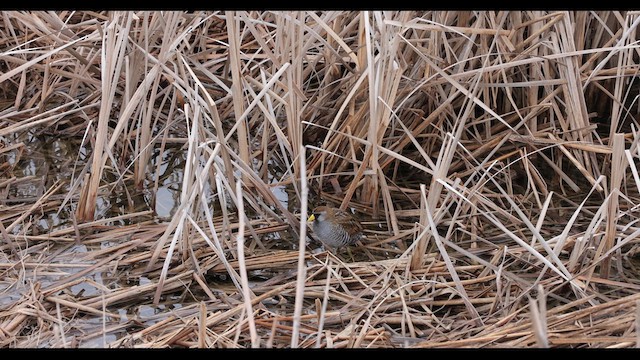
{"x":350,"y":254}
{"x":332,"y":250}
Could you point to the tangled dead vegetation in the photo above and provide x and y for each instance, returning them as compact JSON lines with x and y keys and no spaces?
{"x":155,"y":168}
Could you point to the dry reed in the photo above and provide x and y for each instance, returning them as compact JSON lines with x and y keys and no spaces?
{"x":491,"y":156}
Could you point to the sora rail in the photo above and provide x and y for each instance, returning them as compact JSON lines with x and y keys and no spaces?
{"x":334,"y":227}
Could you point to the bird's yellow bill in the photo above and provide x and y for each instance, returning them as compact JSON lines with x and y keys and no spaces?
{"x":311,"y":218}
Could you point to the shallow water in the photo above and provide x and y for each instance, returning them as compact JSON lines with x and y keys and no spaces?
{"x":45,"y":160}
{"x":37,"y":166}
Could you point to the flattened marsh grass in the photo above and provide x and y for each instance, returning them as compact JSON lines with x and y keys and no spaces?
{"x":492,"y":158}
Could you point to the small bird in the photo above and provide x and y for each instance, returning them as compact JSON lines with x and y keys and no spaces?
{"x":334,"y":227}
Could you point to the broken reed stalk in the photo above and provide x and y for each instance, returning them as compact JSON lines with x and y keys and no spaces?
{"x":539,"y":318}
{"x":246,"y":293}
{"x":618,"y":169}
{"x":301,"y":273}
{"x":236,"y":87}
{"x":115,"y":41}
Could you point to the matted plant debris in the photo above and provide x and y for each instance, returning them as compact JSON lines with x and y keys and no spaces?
{"x":157,"y":170}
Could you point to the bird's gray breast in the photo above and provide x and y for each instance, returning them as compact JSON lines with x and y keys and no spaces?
{"x":332,"y":235}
